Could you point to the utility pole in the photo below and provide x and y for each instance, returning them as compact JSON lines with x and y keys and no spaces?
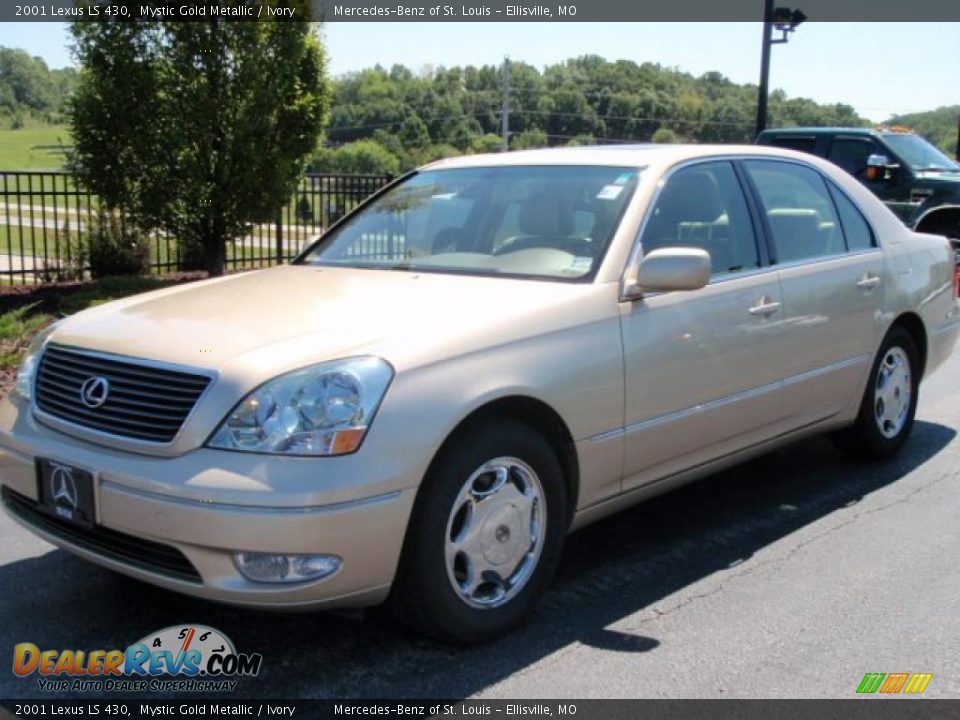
{"x":505,"y":111}
{"x":958,"y":139}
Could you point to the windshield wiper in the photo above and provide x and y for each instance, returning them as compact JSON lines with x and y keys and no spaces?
{"x":403,"y":267}
{"x":937,"y":168}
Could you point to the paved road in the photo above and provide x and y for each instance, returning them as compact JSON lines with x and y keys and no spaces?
{"x":788,"y":577}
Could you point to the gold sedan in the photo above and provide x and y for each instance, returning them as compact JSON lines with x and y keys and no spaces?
{"x":488,"y":354}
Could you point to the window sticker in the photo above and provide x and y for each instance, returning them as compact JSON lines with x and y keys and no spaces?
{"x":610,"y":192}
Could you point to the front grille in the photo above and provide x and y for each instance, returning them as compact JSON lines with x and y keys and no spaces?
{"x":143,"y":402}
{"x":130,"y":550}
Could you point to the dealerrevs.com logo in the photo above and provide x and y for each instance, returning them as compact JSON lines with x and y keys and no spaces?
{"x":191,"y":658}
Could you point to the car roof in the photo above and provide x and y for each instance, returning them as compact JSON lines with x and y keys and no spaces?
{"x":875,"y":132}
{"x":820,"y":131}
{"x":617,"y":155}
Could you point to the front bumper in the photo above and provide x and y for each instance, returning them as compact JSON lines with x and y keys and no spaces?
{"x":209,"y":504}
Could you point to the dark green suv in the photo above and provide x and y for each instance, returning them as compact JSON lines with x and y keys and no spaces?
{"x":917,"y":181}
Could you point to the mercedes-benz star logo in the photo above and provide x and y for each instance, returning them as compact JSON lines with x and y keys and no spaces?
{"x":94,"y":391}
{"x":62,"y":487}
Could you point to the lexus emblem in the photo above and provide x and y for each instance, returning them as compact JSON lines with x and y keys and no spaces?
{"x":94,"y":391}
{"x":62,"y":487}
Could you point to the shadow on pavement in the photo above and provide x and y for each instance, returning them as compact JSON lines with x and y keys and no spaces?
{"x":609,"y":571}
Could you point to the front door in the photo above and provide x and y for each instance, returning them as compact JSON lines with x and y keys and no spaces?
{"x":702,"y":367}
{"x":891,"y":186}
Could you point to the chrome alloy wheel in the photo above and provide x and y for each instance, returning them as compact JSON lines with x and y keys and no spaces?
{"x":495,"y":533}
{"x":892,"y":393}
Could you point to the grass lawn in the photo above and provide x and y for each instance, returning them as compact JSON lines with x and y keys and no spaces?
{"x":17,"y":327}
{"x":19,"y":148}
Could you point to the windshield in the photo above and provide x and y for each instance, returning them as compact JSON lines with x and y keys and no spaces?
{"x":528,"y":221}
{"x":919,"y":154}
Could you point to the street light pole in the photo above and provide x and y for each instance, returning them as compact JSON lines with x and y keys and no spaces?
{"x":765,"y":66}
{"x":786,"y":21}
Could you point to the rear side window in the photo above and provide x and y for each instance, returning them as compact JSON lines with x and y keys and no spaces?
{"x":855,"y":228}
{"x":702,"y":206}
{"x":803,"y":144}
{"x":799,"y":210}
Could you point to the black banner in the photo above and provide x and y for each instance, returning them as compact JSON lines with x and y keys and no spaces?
{"x":862,"y":709}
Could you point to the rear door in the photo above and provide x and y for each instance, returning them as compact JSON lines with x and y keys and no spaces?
{"x":831,"y":275}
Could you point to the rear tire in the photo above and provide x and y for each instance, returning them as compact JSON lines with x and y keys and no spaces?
{"x":485,"y":535}
{"x":889,"y":400}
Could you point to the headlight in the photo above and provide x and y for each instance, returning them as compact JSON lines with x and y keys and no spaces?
{"x":321,"y":410}
{"x":28,"y":367}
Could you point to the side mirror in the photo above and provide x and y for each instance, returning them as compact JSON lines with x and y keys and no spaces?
{"x":673,"y":268}
{"x":880,"y":167}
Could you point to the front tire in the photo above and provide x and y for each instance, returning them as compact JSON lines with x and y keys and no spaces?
{"x":889,"y":401}
{"x":485,"y":535}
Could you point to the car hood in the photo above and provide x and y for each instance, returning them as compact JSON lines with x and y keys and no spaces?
{"x":274,"y":320}
{"x":945,"y":176}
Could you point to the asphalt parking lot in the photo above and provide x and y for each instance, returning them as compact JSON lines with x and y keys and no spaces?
{"x":791,"y":576}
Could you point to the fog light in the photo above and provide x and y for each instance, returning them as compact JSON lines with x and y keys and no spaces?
{"x":270,"y":568}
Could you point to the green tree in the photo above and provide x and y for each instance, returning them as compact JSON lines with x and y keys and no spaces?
{"x":488,"y":143}
{"x":529,"y":139}
{"x":29,"y":90}
{"x":436,"y":152}
{"x":199,"y":129}
{"x":414,"y":133}
{"x":665,"y":136}
{"x":362,"y":156}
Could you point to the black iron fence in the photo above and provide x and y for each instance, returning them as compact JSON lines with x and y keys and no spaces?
{"x":47,"y":218}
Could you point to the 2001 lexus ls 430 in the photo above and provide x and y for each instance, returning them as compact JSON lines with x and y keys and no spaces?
{"x":488,"y":353}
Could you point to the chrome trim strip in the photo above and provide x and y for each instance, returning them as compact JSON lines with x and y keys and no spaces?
{"x":827,"y":258}
{"x":775,"y":440}
{"x":947,"y":327}
{"x":687,"y":412}
{"x":826,"y":369}
{"x":728,"y":399}
{"x":233,"y":507}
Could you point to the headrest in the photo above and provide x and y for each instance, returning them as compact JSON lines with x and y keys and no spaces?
{"x":690,"y":197}
{"x":546,"y":214}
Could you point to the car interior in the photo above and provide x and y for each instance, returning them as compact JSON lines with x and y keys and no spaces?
{"x":693,"y":212}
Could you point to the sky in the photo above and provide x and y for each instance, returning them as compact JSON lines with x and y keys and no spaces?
{"x":880,"y":69}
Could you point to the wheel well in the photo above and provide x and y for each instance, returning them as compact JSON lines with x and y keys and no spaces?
{"x":914,"y":325}
{"x":938,"y":222}
{"x":539,"y":416}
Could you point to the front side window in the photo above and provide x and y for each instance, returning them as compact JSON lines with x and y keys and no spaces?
{"x":799,"y":210}
{"x":552,"y":222}
{"x":702,"y":206}
{"x":851,"y":154}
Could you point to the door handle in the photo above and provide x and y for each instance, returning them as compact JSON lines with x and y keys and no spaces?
{"x":765,"y":307}
{"x":868,"y":282}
